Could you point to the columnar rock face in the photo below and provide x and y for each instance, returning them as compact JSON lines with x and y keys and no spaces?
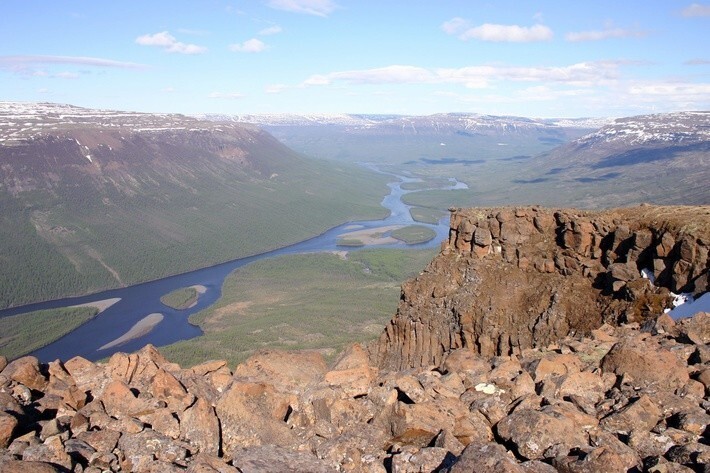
{"x":514,"y":278}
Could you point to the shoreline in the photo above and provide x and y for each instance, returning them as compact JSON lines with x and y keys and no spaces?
{"x":372,"y":236}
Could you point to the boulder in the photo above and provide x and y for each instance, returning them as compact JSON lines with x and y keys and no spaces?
{"x":26,"y":371}
{"x":275,"y":459}
{"x":485,"y":458}
{"x":532,"y":433}
{"x":200,"y":427}
{"x":8,"y":423}
{"x":646,"y":363}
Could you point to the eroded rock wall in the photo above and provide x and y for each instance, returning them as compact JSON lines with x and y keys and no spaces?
{"x":514,"y":278}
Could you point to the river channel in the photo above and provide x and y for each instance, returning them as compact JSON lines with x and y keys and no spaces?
{"x":138,"y":301}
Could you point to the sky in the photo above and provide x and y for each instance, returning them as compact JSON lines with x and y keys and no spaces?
{"x":548,"y":58}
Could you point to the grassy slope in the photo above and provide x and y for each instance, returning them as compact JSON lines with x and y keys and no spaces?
{"x":70,"y":241}
{"x":316,"y":301}
{"x":23,"y":333}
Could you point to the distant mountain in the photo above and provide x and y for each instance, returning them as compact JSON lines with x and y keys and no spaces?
{"x":663,"y":158}
{"x":92,"y":199}
{"x":403,"y":138}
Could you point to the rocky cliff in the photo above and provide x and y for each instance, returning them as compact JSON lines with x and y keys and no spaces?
{"x":515,"y":278}
{"x":531,"y":344}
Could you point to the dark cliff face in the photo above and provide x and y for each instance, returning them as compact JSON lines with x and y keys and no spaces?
{"x":510,"y":279}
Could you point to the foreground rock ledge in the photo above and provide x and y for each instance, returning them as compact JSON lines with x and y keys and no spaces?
{"x":627,"y":392}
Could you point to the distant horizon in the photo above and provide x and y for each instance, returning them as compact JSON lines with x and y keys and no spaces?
{"x":357,"y":114}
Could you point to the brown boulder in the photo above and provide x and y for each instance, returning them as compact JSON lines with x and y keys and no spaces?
{"x":3,"y":362}
{"x":166,"y":387}
{"x":7,"y":428}
{"x":20,"y":466}
{"x":485,"y":458}
{"x":199,"y":426}
{"x":640,"y":415}
{"x":51,"y":451}
{"x":533,"y":432}
{"x":254,"y":414}
{"x":646,"y":362}
{"x":26,"y":371}
{"x":276,"y":459}
{"x":119,"y":401}
{"x":286,"y":371}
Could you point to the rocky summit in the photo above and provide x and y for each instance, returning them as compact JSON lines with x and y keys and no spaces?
{"x":532,"y":343}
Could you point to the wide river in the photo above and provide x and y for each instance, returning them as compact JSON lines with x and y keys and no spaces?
{"x":138,"y":301}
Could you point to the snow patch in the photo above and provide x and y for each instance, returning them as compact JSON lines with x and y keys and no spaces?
{"x":684,"y":305}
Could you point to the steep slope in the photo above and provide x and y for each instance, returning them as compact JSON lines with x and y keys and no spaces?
{"x":663,"y":158}
{"x":96,"y":199}
{"x":509,"y":279}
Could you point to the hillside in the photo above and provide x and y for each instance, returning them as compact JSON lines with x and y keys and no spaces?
{"x":93,"y":199}
{"x":663,"y":158}
{"x":659,"y":159}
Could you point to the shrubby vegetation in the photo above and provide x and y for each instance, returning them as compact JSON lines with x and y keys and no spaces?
{"x":180,"y":299}
{"x":81,"y":238}
{"x":413,"y":234}
{"x":316,"y":301}
{"x":23,"y":333}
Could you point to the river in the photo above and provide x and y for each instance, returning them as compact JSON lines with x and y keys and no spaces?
{"x":138,"y":301}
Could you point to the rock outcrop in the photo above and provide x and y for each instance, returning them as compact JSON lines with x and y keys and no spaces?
{"x":571,"y":390}
{"x":509,"y":279}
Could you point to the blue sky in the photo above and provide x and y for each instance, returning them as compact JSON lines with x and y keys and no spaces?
{"x":549,"y":58}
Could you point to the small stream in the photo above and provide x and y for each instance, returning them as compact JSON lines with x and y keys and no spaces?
{"x":140,"y":300}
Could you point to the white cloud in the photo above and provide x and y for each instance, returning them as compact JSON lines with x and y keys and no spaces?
{"x":310,"y":7}
{"x":697,"y":62}
{"x":249,"y":46}
{"x":169,"y":90}
{"x":679,"y":91}
{"x":455,"y":25}
{"x":696,"y":9}
{"x":168,"y":42}
{"x":579,"y":74}
{"x":276,"y":29}
{"x":225,"y":95}
{"x":275,"y":88}
{"x":508,"y":33}
{"x":67,"y":75}
{"x":9,"y":61}
{"x":606,"y":33}
{"x":497,"y":33}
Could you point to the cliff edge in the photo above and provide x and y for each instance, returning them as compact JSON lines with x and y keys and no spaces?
{"x":509,"y":279}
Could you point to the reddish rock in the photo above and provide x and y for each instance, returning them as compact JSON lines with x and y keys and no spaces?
{"x":26,"y":371}
{"x":276,"y":459}
{"x":104,"y":440}
{"x":3,"y":362}
{"x":284,"y":370}
{"x":200,"y":427}
{"x":486,"y":458}
{"x":639,"y":415}
{"x":7,"y":428}
{"x":166,"y":387}
{"x":253,"y":414}
{"x":119,"y":400}
{"x":534,"y":432}
{"x":18,"y":466}
{"x":646,"y":363}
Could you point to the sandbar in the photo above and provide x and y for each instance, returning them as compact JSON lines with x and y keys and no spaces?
{"x":199,"y":288}
{"x":372,"y":236}
{"x":142,"y":327}
{"x":101,"y":305}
